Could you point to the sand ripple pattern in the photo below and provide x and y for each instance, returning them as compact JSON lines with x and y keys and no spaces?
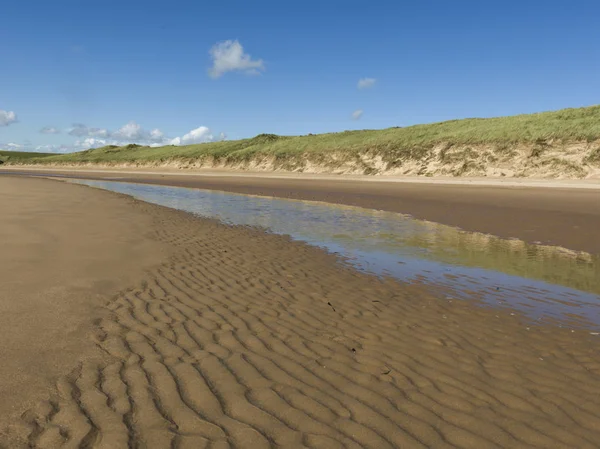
{"x":248,"y":340}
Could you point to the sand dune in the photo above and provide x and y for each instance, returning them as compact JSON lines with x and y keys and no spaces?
{"x":249,"y":340}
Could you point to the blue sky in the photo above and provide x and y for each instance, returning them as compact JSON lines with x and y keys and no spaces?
{"x":121,"y":69}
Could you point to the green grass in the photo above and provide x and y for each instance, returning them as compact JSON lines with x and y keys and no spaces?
{"x":21,"y":156}
{"x":394,"y":145}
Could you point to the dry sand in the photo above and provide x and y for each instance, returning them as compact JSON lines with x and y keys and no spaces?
{"x":244,"y":339}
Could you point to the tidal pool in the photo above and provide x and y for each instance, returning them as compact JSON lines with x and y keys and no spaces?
{"x":546,"y":283}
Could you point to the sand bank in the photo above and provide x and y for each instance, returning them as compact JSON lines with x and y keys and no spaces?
{"x":248,"y":340}
{"x":561,"y":213}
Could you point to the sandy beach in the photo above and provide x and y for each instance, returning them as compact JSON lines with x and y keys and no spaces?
{"x":129,"y":325}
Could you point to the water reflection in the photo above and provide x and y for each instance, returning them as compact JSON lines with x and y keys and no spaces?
{"x":546,"y":282}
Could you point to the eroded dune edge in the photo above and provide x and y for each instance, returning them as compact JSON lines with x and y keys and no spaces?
{"x":248,"y":340}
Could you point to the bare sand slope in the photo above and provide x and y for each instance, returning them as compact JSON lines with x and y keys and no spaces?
{"x":63,"y":253}
{"x":248,"y":340}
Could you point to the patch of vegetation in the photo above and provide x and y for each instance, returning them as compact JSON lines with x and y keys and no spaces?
{"x":565,"y":166}
{"x":539,"y":148}
{"x":462,"y":169}
{"x":594,"y":157}
{"x":491,"y":158}
{"x":444,"y":152}
{"x":503,"y":148}
{"x":370,"y":171}
{"x":463,"y":155}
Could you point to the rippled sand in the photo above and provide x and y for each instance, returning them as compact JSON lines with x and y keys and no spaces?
{"x":242,"y":339}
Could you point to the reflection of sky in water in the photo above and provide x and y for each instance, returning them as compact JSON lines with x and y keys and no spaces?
{"x":545,"y":282}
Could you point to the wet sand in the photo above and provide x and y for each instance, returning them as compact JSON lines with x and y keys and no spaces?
{"x":242,"y":339}
{"x":64,"y":253}
{"x":561,"y":216}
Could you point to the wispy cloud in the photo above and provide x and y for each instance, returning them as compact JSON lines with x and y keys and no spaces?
{"x":7,"y":117}
{"x":27,"y":146}
{"x":53,"y":148}
{"x":365,"y":83}
{"x":357,"y":114}
{"x":49,"y":130}
{"x":229,"y":56}
{"x":80,"y":130}
{"x":156,"y":134}
{"x":11,"y":146}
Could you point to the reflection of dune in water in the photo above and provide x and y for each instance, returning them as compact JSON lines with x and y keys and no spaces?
{"x":551,"y":264}
{"x":434,"y":241}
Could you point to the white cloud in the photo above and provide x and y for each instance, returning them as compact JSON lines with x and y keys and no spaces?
{"x":199,"y":135}
{"x":91,"y":142}
{"x":229,"y":56}
{"x":365,"y":83}
{"x":134,"y":133}
{"x":156,"y":134}
{"x":7,"y":117}
{"x":357,"y":114}
{"x":49,"y":130}
{"x":129,"y":133}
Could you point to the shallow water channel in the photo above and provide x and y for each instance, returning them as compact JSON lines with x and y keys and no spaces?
{"x":547,"y":283}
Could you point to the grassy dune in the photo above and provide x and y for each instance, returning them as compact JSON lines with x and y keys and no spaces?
{"x":563,"y":143}
{"x":21,"y":156}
